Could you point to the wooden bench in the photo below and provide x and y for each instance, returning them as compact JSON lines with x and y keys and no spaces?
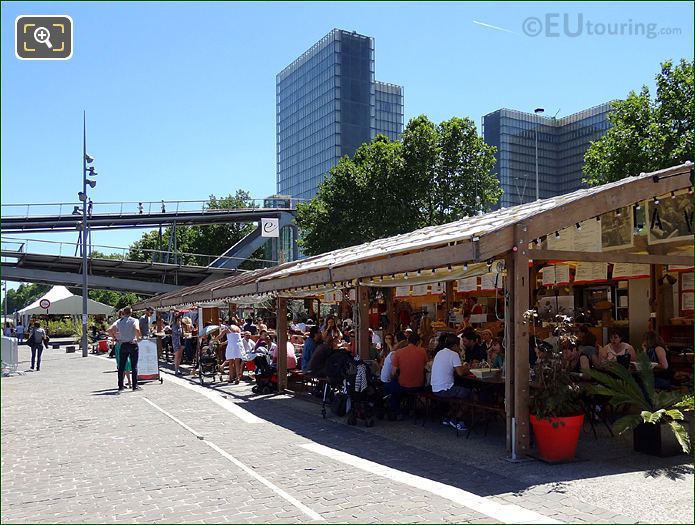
{"x":426,"y":399}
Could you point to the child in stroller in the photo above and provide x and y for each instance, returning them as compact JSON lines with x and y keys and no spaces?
{"x":266,"y":373}
{"x":207,"y":364}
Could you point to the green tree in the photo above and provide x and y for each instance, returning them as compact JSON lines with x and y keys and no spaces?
{"x":390,"y":187}
{"x":23,"y":296}
{"x":646,"y":134}
{"x":208,"y":241}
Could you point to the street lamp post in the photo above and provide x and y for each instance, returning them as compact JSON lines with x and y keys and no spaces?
{"x":537,"y":111}
{"x":86,"y":159}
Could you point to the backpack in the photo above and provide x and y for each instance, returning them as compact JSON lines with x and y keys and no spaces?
{"x":336,"y":366}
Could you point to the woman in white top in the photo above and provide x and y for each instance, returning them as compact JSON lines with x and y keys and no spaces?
{"x":233,"y":353}
{"x":617,"y":350}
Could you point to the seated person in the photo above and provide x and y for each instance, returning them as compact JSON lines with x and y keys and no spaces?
{"x":317,"y":364}
{"x":447,"y":361}
{"x":291,"y":356}
{"x":473,"y":350}
{"x":495,"y":355}
{"x":586,"y":342}
{"x":407,"y":373}
{"x":576,"y":361}
{"x":616,"y":351}
{"x":655,"y":348}
{"x":310,"y":345}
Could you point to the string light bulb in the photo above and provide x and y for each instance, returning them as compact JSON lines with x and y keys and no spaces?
{"x":673,"y":194}
{"x":557,"y":235}
{"x":656,"y":201}
{"x":465,"y":267}
{"x":617,"y":212}
{"x":578,"y":226}
{"x":405,"y":276}
{"x":638,"y":206}
{"x":449,"y":268}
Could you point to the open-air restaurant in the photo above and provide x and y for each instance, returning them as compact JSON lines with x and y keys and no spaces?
{"x":568,"y":313}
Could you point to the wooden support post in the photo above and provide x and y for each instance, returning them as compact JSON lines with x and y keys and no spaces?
{"x":389,"y":294}
{"x":655,"y":300}
{"x":520,"y":338}
{"x":363,"y":322}
{"x":281,"y":332}
{"x":509,"y":358}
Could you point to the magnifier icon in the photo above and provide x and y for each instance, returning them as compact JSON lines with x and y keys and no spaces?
{"x":42,"y":36}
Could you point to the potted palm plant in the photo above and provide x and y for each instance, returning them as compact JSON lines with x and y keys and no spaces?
{"x":556,"y":411}
{"x":655,"y":416}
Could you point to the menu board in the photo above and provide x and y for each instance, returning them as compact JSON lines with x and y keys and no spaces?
{"x":616,"y":229}
{"x":548,"y":276}
{"x":402,"y":291}
{"x":687,"y":300}
{"x":420,"y":289}
{"x":438,"y":288}
{"x":469,"y":284}
{"x":562,"y":273}
{"x":630,"y":271}
{"x":490,"y":281}
{"x":687,"y":282}
{"x":591,"y":272}
{"x":585,"y":239}
{"x":333,"y":297}
{"x":671,"y":219}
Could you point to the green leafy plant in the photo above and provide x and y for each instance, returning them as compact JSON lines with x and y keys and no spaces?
{"x":557,"y":394}
{"x":643,"y":403}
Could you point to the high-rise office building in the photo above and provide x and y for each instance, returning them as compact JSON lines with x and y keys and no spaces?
{"x":328,"y":105}
{"x":561,"y":146}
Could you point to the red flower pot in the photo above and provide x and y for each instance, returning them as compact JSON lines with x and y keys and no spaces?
{"x":556,"y":439}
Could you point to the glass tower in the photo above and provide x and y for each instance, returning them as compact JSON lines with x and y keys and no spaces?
{"x":561,"y":147}
{"x":328,"y":105}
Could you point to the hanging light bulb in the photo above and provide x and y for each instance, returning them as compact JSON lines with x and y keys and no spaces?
{"x":673,"y":194}
{"x":419,"y":273}
{"x":578,"y":226}
{"x":465,"y":267}
{"x":656,"y":201}
{"x":557,"y":235}
{"x":405,"y":276}
{"x":449,"y":268}
{"x":617,"y":212}
{"x":434,"y":270}
{"x":638,"y":206}
{"x":598,"y":218}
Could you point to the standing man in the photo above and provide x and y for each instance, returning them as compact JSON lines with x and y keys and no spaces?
{"x":144,"y":322}
{"x":127,"y":332}
{"x":19,"y":333}
{"x":36,"y":342}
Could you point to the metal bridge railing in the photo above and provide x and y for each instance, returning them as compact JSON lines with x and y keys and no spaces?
{"x":68,"y":249}
{"x":62,"y":209}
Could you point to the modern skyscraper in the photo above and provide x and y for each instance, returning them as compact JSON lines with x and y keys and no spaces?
{"x":328,"y":105}
{"x":561,"y":147}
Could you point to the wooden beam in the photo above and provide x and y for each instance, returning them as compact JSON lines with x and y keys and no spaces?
{"x":428,"y":258}
{"x":296,"y":281}
{"x":610,"y":257}
{"x":604,"y":201}
{"x":281,"y":332}
{"x":509,"y":358}
{"x":363,"y":341}
{"x":520,"y":338}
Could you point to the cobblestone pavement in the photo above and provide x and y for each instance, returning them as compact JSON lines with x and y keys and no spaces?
{"x":75,"y":451}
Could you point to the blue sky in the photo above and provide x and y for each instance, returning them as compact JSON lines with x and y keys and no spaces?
{"x":180,"y":97}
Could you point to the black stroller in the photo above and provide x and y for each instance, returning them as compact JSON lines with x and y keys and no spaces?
{"x":207,"y":365}
{"x":266,"y":373}
{"x":363,"y":398}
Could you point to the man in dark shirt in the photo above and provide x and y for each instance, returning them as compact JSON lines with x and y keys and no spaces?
{"x":472,"y":348}
{"x":317,"y":364}
{"x":310,"y":346}
{"x":250,"y":327}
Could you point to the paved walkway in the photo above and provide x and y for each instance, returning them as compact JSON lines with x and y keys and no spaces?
{"x":74,"y":450}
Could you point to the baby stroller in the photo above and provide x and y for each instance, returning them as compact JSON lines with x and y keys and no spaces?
{"x":363,"y":398}
{"x":266,"y":373}
{"x":207,"y":365}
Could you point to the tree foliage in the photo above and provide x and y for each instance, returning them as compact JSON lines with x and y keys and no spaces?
{"x":389,"y":187}
{"x":646,"y":134}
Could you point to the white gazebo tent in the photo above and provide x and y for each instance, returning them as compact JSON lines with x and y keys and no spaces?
{"x":63,"y":302}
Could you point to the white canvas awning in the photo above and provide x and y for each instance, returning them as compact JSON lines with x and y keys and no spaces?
{"x":63,"y":302}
